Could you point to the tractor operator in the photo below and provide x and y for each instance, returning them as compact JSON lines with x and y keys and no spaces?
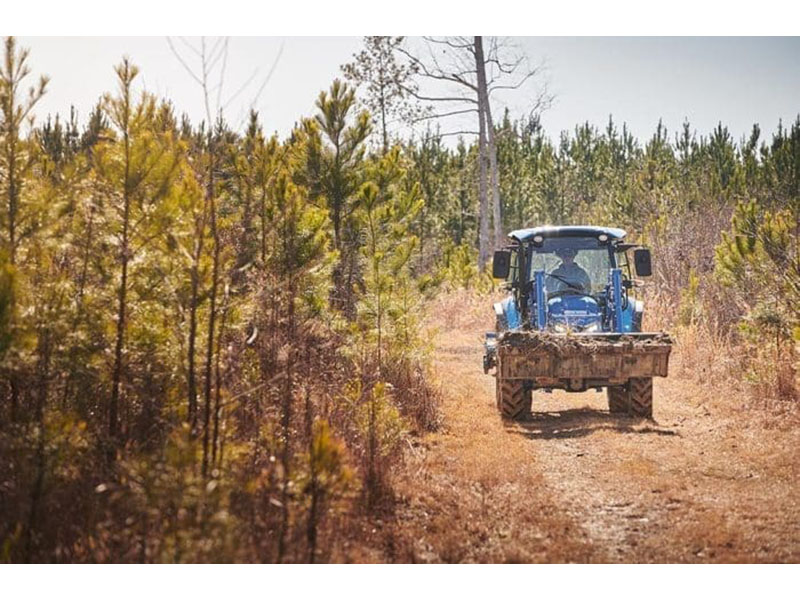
{"x":569,"y":275}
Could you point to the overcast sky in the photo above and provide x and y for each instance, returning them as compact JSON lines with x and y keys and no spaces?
{"x":739,"y":81}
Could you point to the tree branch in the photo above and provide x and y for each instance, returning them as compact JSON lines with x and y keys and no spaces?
{"x":419,"y":96}
{"x":269,"y":75}
{"x":183,"y":62}
{"x":443,"y":115}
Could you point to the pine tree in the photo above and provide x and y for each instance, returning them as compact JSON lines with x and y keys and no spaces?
{"x":387,"y":83}
{"x":16,"y":162}
{"x":6,"y":303}
{"x":136,"y":170}
{"x":15,"y":155}
{"x":334,"y":155}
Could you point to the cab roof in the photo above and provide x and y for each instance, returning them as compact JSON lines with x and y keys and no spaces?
{"x":551,"y":231}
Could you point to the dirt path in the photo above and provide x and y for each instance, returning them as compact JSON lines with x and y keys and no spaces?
{"x":707,"y":481}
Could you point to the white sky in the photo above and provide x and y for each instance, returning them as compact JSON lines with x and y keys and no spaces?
{"x":738,"y":81}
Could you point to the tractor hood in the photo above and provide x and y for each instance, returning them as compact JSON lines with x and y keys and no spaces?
{"x":574,"y":313}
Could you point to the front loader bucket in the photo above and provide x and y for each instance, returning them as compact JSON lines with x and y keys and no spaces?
{"x":578,"y":361}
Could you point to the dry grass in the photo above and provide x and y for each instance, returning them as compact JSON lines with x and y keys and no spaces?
{"x":712,"y":479}
{"x":464,"y":497}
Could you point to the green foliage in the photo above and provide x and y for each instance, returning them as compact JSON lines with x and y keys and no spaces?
{"x":759,"y":255}
{"x":459,"y":268}
{"x":328,"y":475}
{"x":16,"y":162}
{"x":388,"y":213}
{"x":334,"y":153}
{"x":379,"y":417}
{"x":690,"y":309}
{"x":759,"y":258}
{"x":300,"y":250}
{"x":46,"y":464}
{"x":187,"y":517}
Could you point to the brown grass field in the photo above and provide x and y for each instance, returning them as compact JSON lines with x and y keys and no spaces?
{"x":712,"y":479}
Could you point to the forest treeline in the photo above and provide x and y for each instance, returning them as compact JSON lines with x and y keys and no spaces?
{"x":212,"y":341}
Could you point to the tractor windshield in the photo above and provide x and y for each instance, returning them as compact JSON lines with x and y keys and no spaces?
{"x":572,"y":264}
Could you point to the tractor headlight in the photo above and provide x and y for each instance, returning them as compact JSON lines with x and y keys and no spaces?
{"x":560,"y":327}
{"x":593,"y":328}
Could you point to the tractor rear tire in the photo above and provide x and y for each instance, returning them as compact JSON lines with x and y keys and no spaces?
{"x":513,"y":400}
{"x":618,"y":399}
{"x":641,"y":396}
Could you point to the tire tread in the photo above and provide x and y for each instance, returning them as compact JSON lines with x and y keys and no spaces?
{"x":634,"y":398}
{"x":641,"y":396}
{"x":513,"y":400}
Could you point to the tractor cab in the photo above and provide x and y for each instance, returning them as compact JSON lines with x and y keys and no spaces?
{"x":576,"y":279}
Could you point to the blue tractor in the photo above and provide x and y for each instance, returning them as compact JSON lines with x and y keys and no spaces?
{"x":572,"y":321}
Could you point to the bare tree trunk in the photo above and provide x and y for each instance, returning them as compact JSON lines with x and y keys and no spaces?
{"x":485,"y":108}
{"x":286,"y":422}
{"x":483,"y":216}
{"x":191,"y":375}
{"x":372,"y":472}
{"x":13,"y":202}
{"x":262,"y":209}
{"x":218,"y":384}
{"x":288,"y":235}
{"x":43,"y":373}
{"x":113,"y":409}
{"x":212,"y":309}
{"x":193,"y":306}
{"x":497,"y":205}
{"x":384,"y":132}
{"x":13,"y":189}
{"x":313,"y":511}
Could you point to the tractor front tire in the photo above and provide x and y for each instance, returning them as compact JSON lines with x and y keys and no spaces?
{"x":634,"y":398}
{"x":513,"y":400}
{"x":641,"y":396}
{"x":618,"y":399}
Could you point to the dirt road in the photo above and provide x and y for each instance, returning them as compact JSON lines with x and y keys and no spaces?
{"x":706,"y":481}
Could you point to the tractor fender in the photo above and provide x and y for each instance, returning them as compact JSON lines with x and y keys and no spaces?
{"x":507,"y":314}
{"x":632,"y":316}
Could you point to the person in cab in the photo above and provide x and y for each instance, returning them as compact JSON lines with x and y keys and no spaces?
{"x":569,"y":275}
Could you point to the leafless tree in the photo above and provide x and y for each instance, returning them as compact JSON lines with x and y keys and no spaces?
{"x":466,"y":71}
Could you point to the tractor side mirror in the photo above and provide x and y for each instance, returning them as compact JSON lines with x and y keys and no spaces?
{"x":641,"y":262}
{"x":501,"y":264}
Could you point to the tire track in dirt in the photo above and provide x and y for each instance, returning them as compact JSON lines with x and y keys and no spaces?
{"x":706,"y":481}
{"x":472,"y":492}
{"x":578,"y":442}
